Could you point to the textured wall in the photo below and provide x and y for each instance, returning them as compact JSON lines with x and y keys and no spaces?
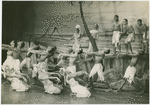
{"x":65,"y":16}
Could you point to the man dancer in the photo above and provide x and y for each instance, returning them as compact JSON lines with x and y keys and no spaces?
{"x":131,"y":35}
{"x":116,"y":34}
{"x":98,"y":67}
{"x":144,"y":37}
{"x":130,"y":71}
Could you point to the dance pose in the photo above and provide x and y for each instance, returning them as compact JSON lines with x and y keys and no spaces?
{"x":15,"y":64}
{"x":9,"y":59}
{"x":116,"y":34}
{"x":41,"y":69}
{"x":130,"y":71}
{"x":98,"y":67}
{"x":76,"y":37}
{"x":76,"y":88}
{"x":95,"y":36}
{"x":129,"y":30}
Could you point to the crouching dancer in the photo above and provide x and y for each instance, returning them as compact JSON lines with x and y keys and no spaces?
{"x":130,"y":71}
{"x":76,"y":88}
{"x":17,"y":79}
{"x":41,"y":69}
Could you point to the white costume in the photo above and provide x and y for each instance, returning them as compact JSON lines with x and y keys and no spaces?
{"x":115,"y":38}
{"x":97,"y":68}
{"x":78,"y":89}
{"x":129,"y":38}
{"x":41,"y":68}
{"x":17,"y":84}
{"x":94,"y":34}
{"x":129,"y":74}
{"x":8,"y":62}
{"x":16,"y":65}
{"x":72,"y":69}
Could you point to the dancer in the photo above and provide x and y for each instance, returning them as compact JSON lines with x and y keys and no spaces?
{"x":95,"y":36}
{"x":76,"y":37}
{"x":130,"y":71}
{"x":144,"y":37}
{"x":41,"y":69}
{"x":98,"y":67}
{"x":116,"y":34}
{"x":27,"y":60}
{"x":131,"y":35}
{"x":17,"y":79}
{"x":77,"y":89}
{"x":16,"y":54}
{"x":9,"y":59}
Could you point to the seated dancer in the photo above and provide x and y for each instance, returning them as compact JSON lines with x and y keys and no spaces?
{"x":27,"y":60}
{"x":130,"y":71}
{"x":95,"y":36}
{"x":76,"y":88}
{"x":131,"y":35}
{"x":9,"y":59}
{"x":116,"y":34}
{"x":98,"y":67}
{"x":41,"y":69}
{"x":17,"y":79}
{"x":76,"y":37}
{"x":16,"y":54}
{"x":144,"y":37}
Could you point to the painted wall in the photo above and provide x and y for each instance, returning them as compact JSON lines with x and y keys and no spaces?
{"x":65,"y":17}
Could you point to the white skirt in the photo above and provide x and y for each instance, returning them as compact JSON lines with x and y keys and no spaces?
{"x":80,"y":91}
{"x":115,"y":38}
{"x":129,"y":74}
{"x":19,"y":85}
{"x":97,"y":68}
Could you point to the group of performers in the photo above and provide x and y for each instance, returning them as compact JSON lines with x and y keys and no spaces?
{"x":54,"y":80}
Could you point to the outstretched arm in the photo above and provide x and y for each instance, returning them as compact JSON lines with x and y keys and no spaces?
{"x":68,"y":55}
{"x":133,"y":55}
{"x":41,"y":52}
{"x":8,"y":47}
{"x":73,"y":75}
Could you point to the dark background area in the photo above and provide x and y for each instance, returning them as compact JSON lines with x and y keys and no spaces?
{"x":14,"y":21}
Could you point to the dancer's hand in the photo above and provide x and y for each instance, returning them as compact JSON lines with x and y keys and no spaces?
{"x":58,"y":79}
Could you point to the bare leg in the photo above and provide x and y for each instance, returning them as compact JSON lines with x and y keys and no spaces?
{"x":130,"y":47}
{"x":119,"y":47}
{"x":122,"y":86}
{"x":146,"y":47}
{"x":91,"y":82}
{"x":114,"y":49}
{"x":143,"y":48}
{"x":126,"y":46}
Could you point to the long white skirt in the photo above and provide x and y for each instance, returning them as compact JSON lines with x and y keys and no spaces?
{"x":129,"y":74}
{"x":80,"y":91}
{"x":19,"y":85}
{"x":49,"y":87}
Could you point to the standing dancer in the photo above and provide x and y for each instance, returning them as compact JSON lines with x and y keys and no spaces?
{"x":116,"y":34}
{"x":144,"y":37}
{"x":76,"y":37}
{"x":131,"y":35}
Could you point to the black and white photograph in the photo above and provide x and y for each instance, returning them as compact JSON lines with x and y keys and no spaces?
{"x":74,"y":52}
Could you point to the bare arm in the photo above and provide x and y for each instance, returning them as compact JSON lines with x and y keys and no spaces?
{"x":42,"y":47}
{"x":41,"y":52}
{"x":68,"y":55}
{"x":8,"y":47}
{"x":73,"y":75}
{"x":133,"y":55}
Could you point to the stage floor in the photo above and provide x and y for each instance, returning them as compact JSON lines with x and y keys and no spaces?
{"x":36,"y":95}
